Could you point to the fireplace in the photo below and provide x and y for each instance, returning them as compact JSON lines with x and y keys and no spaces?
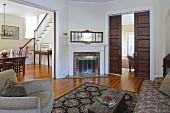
{"x":81,"y":51}
{"x":86,"y":62}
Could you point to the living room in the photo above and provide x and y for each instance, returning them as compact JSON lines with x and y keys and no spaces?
{"x":81,"y":16}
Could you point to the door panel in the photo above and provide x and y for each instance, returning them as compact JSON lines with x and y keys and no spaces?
{"x":115,"y":44}
{"x":142,"y":44}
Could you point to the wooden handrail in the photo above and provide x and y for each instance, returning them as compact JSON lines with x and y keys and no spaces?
{"x":41,"y":22}
{"x":27,"y":43}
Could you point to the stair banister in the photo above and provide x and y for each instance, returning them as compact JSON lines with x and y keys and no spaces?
{"x":26,"y":45}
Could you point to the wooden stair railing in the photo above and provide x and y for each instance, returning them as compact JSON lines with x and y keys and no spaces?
{"x":26,"y":45}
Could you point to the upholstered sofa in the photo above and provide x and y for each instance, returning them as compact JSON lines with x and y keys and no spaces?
{"x":40,"y":97}
{"x":151,"y":100}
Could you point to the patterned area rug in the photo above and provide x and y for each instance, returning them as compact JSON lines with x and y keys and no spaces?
{"x":80,"y":99}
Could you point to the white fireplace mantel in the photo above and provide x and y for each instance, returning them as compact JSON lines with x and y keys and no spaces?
{"x":87,"y":48}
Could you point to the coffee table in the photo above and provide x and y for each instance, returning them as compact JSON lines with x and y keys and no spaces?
{"x":119,"y":98}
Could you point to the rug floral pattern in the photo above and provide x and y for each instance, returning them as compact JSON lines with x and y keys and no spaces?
{"x":80,"y":99}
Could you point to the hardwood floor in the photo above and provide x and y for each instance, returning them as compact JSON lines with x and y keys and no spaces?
{"x":126,"y":81}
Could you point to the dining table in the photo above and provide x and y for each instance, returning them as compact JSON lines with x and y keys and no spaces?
{"x":13,"y":58}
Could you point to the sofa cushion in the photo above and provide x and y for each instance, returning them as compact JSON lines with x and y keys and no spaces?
{"x":43,"y":96}
{"x":165,"y":86}
{"x":13,"y":89}
{"x":151,"y":100}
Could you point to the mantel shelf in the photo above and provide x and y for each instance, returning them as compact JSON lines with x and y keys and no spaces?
{"x":86,"y":45}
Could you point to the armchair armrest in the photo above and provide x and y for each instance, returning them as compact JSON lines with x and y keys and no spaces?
{"x":39,"y":85}
{"x":19,"y":103}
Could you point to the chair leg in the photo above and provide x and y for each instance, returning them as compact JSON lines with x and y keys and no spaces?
{"x":129,"y":68}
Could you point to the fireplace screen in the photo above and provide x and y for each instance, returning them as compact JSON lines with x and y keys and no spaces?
{"x":87,"y":64}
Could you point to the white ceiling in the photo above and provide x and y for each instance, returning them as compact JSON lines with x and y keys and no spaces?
{"x":19,"y":9}
{"x":93,"y":1}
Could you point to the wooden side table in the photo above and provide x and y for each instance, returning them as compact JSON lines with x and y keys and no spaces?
{"x":40,"y":53}
{"x":119,"y":98}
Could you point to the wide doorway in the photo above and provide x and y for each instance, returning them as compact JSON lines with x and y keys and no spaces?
{"x":135,"y":48}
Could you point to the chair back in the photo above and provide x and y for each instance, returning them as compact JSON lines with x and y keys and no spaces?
{"x":8,"y":74}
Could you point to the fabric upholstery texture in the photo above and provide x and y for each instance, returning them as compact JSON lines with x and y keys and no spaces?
{"x":165,"y":86}
{"x":13,"y":89}
{"x":151,"y":100}
{"x":10,"y":74}
{"x":40,"y":97}
{"x":159,"y":80}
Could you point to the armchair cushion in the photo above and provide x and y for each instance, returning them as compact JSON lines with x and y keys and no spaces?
{"x":38,"y":85}
{"x":43,"y":96}
{"x":13,"y":89}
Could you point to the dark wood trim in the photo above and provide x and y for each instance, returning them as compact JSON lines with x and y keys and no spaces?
{"x":41,"y":22}
{"x":27,"y":43}
{"x":55,"y":44}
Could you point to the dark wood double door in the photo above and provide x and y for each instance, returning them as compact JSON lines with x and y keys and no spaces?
{"x":142,"y":44}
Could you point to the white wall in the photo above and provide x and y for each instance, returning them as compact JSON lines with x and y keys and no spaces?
{"x":13,"y":21}
{"x":162,"y":33}
{"x":167,"y":33}
{"x":86,"y":17}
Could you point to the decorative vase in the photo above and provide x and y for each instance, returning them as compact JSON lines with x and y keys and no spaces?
{"x":4,"y":53}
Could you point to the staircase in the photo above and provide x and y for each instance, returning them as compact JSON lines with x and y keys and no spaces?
{"x":40,"y":35}
{"x":43,"y":28}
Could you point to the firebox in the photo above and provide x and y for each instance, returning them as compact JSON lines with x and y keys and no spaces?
{"x":87,"y":64}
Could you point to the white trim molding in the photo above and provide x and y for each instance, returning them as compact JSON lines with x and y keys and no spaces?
{"x":87,"y":48}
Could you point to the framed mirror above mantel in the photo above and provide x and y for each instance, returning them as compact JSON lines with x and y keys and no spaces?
{"x":86,"y":37}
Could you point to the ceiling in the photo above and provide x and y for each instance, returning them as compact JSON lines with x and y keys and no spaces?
{"x":20,"y":10}
{"x":93,"y":1}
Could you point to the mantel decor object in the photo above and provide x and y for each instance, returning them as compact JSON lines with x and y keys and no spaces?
{"x":86,"y":37}
{"x":4,"y":52}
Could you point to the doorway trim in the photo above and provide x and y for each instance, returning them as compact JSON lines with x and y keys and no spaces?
{"x":55,"y":54}
{"x":127,"y":11}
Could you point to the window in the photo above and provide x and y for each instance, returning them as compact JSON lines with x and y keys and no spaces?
{"x":31,"y":24}
{"x":130,"y":43}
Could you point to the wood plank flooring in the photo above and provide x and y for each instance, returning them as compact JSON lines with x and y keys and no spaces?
{"x":126,"y":81}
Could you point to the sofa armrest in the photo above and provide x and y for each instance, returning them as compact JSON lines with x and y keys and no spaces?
{"x":39,"y":85}
{"x":19,"y":103}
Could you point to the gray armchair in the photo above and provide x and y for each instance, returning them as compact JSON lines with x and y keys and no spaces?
{"x":40,"y":97}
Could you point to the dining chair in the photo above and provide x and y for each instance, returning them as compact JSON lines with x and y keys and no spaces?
{"x":18,"y":65}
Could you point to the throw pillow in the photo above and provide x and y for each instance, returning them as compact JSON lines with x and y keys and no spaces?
{"x":165,"y":86}
{"x":13,"y":89}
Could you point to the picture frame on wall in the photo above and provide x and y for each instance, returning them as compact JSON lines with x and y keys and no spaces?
{"x":10,"y":32}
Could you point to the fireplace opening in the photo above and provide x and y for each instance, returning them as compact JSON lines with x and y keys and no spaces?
{"x":87,"y":64}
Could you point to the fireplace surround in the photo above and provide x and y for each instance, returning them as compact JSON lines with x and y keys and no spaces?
{"x":79,"y":50}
